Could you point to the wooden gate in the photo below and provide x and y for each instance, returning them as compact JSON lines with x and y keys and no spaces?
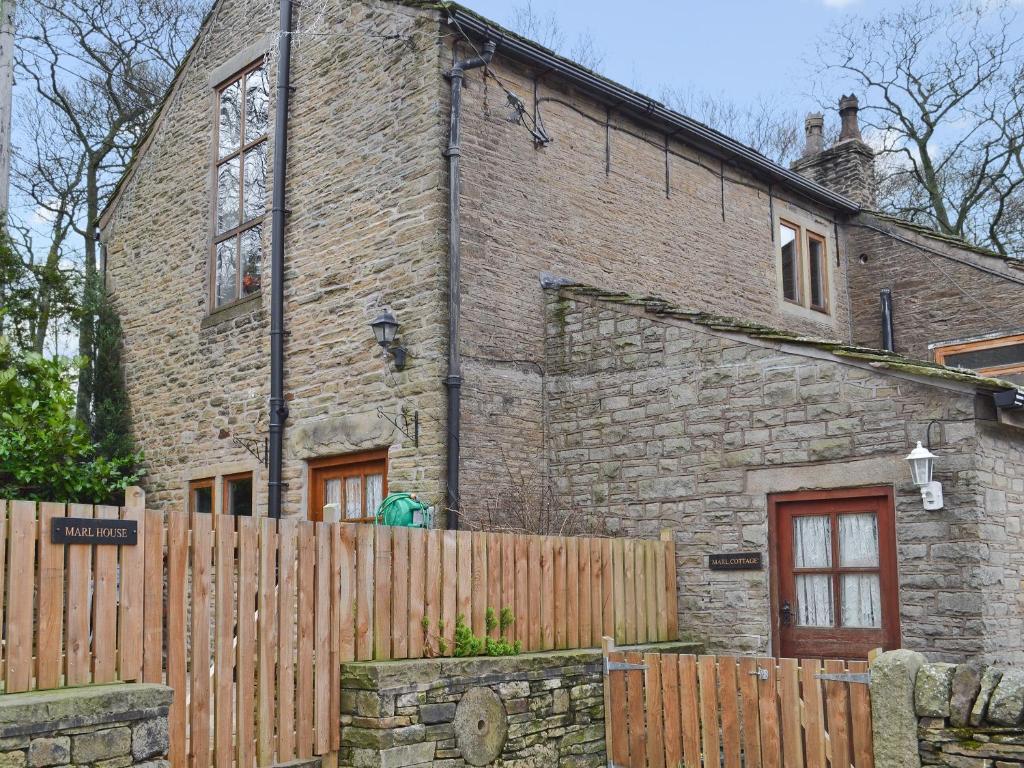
{"x":671,"y":710}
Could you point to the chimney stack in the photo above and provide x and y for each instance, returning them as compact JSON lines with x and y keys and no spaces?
{"x":848,"y":107}
{"x":848,"y":166}
{"x":814,"y":127}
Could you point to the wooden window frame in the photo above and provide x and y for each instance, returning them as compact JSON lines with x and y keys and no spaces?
{"x":823,"y":307}
{"x":205,"y":482}
{"x":347,"y":465}
{"x":798,"y":242}
{"x":226,"y":481}
{"x":945,"y":350}
{"x":243,"y":226}
{"x":888,"y":562}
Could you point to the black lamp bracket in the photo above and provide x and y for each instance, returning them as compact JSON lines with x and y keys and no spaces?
{"x":255,"y":446}
{"x":928,"y":432}
{"x":404,"y":426}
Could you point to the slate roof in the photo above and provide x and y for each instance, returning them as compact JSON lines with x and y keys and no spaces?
{"x":877,"y":358}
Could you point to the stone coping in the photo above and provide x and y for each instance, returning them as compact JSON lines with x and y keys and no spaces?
{"x":400,"y":675}
{"x":23,"y":714}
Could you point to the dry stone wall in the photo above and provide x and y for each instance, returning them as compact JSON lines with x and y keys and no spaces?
{"x":103,"y":726}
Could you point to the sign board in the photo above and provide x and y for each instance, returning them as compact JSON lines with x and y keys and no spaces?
{"x":736,"y":561}
{"x":86,"y":530}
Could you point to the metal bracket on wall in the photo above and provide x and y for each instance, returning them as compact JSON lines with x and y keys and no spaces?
{"x":414,"y":435}
{"x":845,"y":677}
{"x":621,"y":666}
{"x":255,"y":446}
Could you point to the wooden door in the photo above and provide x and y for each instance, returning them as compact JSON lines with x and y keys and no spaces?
{"x":834,"y":581}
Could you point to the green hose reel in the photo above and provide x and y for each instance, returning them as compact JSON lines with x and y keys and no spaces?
{"x":406,"y":511}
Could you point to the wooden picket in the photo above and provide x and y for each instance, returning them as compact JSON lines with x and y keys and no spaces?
{"x":668,"y":710}
{"x":249,"y":620}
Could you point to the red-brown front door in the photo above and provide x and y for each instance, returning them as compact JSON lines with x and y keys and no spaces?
{"x":834,"y":587}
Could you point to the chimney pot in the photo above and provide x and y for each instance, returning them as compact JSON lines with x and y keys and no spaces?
{"x":848,"y":107}
{"x":814,"y":126}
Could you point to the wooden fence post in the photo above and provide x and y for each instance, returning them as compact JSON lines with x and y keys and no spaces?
{"x":607,"y":646}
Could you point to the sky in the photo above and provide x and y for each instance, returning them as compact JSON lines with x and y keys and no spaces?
{"x":745,"y":49}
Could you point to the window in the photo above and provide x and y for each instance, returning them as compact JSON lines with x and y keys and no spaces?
{"x":349,"y":488}
{"x":1002,"y":356}
{"x":237,"y":494}
{"x":243,"y":108}
{"x":804,"y":267}
{"x":200,"y":496}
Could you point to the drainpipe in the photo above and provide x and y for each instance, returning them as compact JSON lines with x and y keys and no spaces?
{"x":888,"y":343}
{"x":278,"y":408}
{"x":454,"y":378}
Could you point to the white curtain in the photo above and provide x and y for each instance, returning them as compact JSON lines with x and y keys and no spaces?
{"x":374,"y":493}
{"x":332,"y":501}
{"x":858,"y":548}
{"x":812,"y":548}
{"x":353,"y":497}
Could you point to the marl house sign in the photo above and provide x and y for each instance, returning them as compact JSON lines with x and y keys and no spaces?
{"x":84,"y":530}
{"x":736,"y":561}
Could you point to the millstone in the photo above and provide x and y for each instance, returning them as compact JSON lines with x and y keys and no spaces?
{"x":481,"y":726}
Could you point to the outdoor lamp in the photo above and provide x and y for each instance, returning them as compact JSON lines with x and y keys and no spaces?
{"x":922,"y":463}
{"x":385,"y":328}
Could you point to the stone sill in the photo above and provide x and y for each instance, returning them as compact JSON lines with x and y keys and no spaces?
{"x":23,"y":714}
{"x":404,"y":675}
{"x":245,"y":306}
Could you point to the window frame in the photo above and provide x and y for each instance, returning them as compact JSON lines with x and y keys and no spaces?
{"x":205,"y":482}
{"x":798,"y":243}
{"x":340,"y":467}
{"x":943,"y":351}
{"x":824,"y":306}
{"x":216,"y":238}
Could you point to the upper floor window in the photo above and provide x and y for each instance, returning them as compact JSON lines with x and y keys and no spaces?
{"x":804,"y":267}
{"x":1002,"y":356}
{"x":243,"y":108}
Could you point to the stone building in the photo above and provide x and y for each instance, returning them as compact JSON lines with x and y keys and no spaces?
{"x":554,"y":170}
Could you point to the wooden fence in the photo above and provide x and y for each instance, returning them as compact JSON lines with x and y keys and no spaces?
{"x":685,"y":711}
{"x":250,"y":620}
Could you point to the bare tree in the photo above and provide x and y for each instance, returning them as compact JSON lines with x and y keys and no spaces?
{"x":546,"y":30}
{"x":945,"y":104}
{"x":97,"y":70}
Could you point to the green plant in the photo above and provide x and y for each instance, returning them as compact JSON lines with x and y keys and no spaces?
{"x":468,"y":644}
{"x":45,"y":452}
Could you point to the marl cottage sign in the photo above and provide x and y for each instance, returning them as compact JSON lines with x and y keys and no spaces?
{"x":84,"y":530}
{"x":736,"y":561}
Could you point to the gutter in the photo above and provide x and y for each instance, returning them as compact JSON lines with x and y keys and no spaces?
{"x":647,"y":110}
{"x":454,"y":379}
{"x":278,"y":408}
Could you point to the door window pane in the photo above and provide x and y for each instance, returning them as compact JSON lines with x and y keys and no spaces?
{"x":353,"y":497}
{"x":862,"y":600}
{"x":332,"y":501}
{"x":812,"y":542}
{"x":858,"y":540}
{"x":374,"y":493}
{"x":814,"y":605}
{"x":790,"y":263}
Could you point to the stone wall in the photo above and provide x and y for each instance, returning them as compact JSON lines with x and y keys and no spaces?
{"x":103,"y":726}
{"x":940,"y":291}
{"x":656,"y":422}
{"x":970,"y":716}
{"x":542,"y":709}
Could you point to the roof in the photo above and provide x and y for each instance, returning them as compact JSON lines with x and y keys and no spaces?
{"x":608,"y":91}
{"x":877,"y":358}
{"x":934,"y":234}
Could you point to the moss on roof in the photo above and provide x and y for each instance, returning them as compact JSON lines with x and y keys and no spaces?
{"x":877,"y":358}
{"x":934,"y":234}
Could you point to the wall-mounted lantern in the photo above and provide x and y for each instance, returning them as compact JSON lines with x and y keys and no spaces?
{"x":385,"y":329}
{"x":922,"y":464}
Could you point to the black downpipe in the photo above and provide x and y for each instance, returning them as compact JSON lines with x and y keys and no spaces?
{"x":454,"y":378}
{"x":278,"y":409}
{"x":888,"y":342}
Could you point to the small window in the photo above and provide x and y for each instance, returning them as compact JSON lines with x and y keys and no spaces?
{"x":243,"y":108}
{"x":238,"y":494}
{"x":348,"y":488}
{"x":789,"y":237}
{"x":200,"y":496}
{"x":817,"y":265}
{"x":804,"y":267}
{"x":1002,"y":357}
